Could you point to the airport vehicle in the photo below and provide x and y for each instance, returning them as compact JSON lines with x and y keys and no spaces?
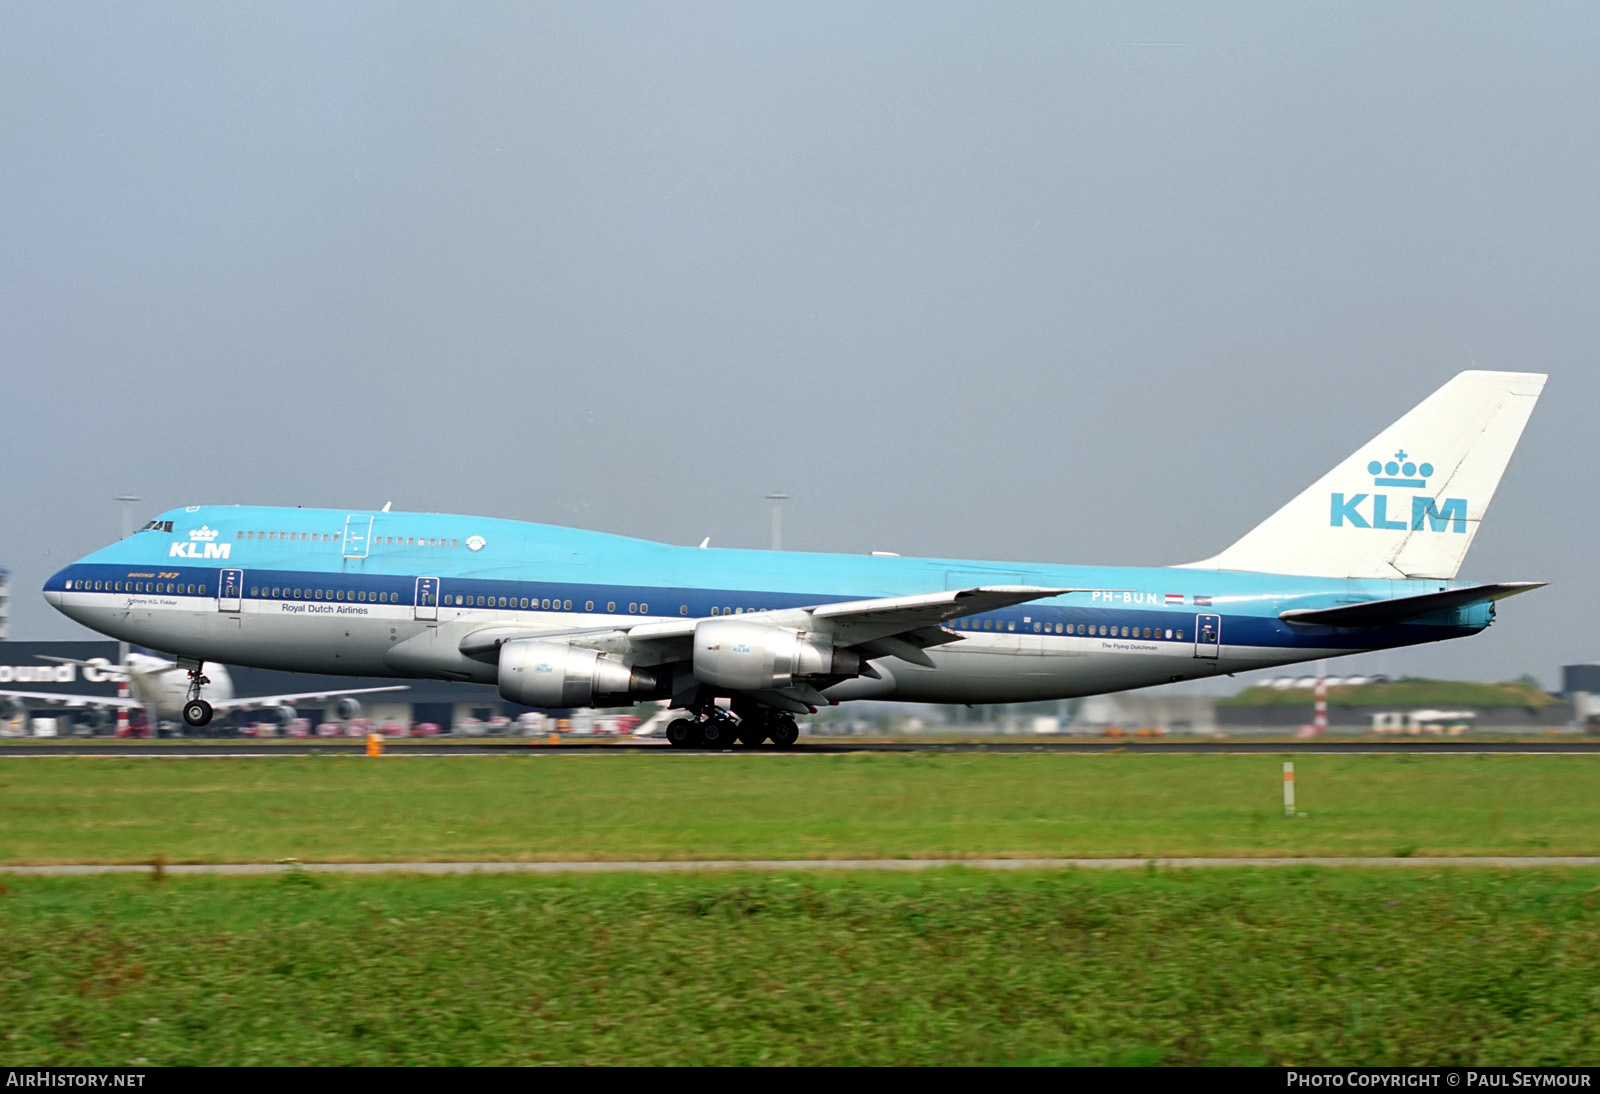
{"x":1365,"y":558}
{"x":161,"y":687}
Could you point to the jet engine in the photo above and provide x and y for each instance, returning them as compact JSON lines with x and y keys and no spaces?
{"x":553,"y":674}
{"x":346,"y":708}
{"x":10,"y":708}
{"x":741,"y":655}
{"x":283,"y":714}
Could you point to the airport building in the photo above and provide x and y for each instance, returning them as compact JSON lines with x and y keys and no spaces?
{"x":5,"y":604}
{"x":75,"y":672}
{"x":1581,"y":685}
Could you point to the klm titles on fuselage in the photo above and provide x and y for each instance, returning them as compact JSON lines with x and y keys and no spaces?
{"x":201,"y":545}
{"x":1427,"y":513}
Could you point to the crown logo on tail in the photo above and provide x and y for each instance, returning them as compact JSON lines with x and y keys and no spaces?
{"x":1400,"y":471}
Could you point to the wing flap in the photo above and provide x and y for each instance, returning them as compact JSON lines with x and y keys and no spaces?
{"x":854,"y":622}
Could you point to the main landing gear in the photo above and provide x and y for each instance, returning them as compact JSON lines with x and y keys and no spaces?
{"x":712,"y":727}
{"x":196,"y":711}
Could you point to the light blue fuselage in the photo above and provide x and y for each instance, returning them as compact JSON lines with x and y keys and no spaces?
{"x":392,"y":594}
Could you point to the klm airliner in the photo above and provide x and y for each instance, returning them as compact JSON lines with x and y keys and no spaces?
{"x":1364,"y":559}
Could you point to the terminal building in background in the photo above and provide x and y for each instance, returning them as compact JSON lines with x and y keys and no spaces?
{"x":1581,"y":684}
{"x":76,"y":672}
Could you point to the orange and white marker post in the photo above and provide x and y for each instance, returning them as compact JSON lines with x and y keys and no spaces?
{"x":374,"y":744}
{"x":1288,"y":788}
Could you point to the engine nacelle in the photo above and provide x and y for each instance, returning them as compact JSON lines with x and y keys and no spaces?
{"x":11,"y":708}
{"x":553,"y":674}
{"x":741,"y":655}
{"x":346,"y":708}
{"x":283,"y":714}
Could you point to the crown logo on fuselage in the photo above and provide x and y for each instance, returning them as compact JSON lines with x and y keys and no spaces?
{"x":1400,"y":471}
{"x":203,"y":534}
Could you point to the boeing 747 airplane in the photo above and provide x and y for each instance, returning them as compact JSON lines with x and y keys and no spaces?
{"x":1364,"y":559}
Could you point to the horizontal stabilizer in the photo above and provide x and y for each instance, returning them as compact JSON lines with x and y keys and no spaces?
{"x":1377,"y":613}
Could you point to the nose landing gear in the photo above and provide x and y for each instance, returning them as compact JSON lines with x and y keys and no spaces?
{"x":196,"y":711}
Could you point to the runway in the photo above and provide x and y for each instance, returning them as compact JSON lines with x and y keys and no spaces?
{"x":806,"y":747}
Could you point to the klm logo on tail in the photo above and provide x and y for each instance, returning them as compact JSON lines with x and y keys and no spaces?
{"x":1427,"y":514}
{"x":201,"y":545}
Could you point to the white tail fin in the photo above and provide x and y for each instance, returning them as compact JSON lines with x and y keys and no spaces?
{"x":1408,"y":503}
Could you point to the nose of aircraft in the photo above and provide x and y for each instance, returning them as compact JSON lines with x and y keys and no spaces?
{"x":56,"y":586}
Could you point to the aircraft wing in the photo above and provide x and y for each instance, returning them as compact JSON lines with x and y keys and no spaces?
{"x":114,"y":673}
{"x":895,"y":626}
{"x":81,"y":702}
{"x":247,"y":701}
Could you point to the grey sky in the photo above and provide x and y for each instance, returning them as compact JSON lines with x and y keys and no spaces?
{"x":1076,"y":283}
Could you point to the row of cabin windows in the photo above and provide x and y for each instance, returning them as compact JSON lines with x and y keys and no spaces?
{"x":512,"y":602}
{"x":285,"y":592}
{"x":176,"y":588}
{"x":1078,"y":628}
{"x":411,"y":541}
{"x":333,"y":537}
{"x":308,"y":537}
{"x":463,"y":601}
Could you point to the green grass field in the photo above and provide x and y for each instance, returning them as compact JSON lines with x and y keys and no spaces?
{"x":1299,"y":966}
{"x":1429,"y":965}
{"x":658,"y":806}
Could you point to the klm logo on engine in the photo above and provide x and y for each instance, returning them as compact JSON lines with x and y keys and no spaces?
{"x":201,"y":545}
{"x":1372,"y":510}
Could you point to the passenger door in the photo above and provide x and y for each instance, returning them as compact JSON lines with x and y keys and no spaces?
{"x":230,"y":590}
{"x":427,"y":602}
{"x":357,"y":534}
{"x":1207,"y":636}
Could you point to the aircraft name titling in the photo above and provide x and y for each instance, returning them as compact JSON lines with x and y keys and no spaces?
{"x":323,"y":609}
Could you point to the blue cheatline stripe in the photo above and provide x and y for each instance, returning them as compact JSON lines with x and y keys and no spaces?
{"x":320,"y":586}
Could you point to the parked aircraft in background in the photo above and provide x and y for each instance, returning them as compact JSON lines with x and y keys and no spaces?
{"x":1364,"y":559}
{"x":160,"y":687}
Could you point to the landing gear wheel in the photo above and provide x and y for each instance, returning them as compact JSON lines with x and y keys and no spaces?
{"x":197,"y":713}
{"x":716,"y":732}
{"x":784,"y":732}
{"x":681,"y":733}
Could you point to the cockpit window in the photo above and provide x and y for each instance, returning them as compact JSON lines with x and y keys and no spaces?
{"x":157,"y":526}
